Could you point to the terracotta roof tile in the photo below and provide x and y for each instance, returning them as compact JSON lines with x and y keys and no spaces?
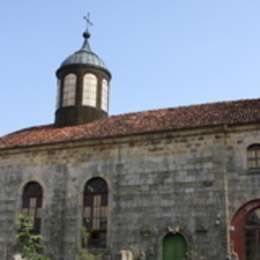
{"x":187,"y":117}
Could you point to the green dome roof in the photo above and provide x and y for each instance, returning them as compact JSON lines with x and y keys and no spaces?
{"x":84,"y":56}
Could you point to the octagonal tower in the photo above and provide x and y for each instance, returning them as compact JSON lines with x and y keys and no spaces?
{"x":83,"y":88}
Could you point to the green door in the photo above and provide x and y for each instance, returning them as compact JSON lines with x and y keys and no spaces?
{"x":174,"y":247}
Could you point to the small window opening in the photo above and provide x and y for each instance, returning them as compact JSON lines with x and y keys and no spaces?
{"x":253,"y":157}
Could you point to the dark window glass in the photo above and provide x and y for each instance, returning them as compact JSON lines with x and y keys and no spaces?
{"x":95,"y":212}
{"x":32,"y":204}
{"x":252,"y":231}
{"x":253,"y":157}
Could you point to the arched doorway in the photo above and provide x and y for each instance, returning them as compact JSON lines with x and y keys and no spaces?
{"x":245,"y":235}
{"x":252,"y":234}
{"x":174,"y":247}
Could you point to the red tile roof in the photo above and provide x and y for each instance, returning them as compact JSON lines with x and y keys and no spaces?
{"x":179,"y":118}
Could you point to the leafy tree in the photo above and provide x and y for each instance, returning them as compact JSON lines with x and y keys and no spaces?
{"x":28,"y":243}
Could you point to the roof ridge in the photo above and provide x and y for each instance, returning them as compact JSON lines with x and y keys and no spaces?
{"x":188,"y":106}
{"x":30,"y":128}
{"x":231,"y":113}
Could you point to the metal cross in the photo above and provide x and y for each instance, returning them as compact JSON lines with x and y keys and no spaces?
{"x":87,"y":18}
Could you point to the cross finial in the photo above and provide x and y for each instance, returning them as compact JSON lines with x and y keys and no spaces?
{"x":88,"y":22}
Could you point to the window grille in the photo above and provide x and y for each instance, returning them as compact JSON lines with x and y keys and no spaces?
{"x":253,"y":157}
{"x":95,"y":212}
{"x":89,"y":97}
{"x":69,"y":90}
{"x":32,"y":204}
{"x":104,"y":95}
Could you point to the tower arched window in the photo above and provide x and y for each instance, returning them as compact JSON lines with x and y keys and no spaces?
{"x":104,"y":95}
{"x":89,"y":97}
{"x":58,"y":94}
{"x":69,"y":90}
{"x":95,"y":212}
{"x":253,"y":157}
{"x":32,"y":204}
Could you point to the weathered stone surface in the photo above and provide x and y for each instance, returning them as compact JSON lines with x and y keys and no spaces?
{"x":155,"y":181}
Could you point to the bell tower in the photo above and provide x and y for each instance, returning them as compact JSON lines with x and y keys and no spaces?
{"x":83,"y":87}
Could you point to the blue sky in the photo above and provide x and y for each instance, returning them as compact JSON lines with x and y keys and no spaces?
{"x":161,"y":54}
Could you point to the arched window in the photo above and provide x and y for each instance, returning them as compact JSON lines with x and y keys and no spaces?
{"x":253,"y":156}
{"x":89,"y":97}
{"x":104,"y":95}
{"x":58,"y":94}
{"x":32,"y":204}
{"x":95,"y":212}
{"x":69,"y":90}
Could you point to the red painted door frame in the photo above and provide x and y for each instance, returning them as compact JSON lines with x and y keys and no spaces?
{"x":237,"y":234}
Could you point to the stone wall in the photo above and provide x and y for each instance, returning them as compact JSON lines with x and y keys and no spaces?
{"x":190,"y":182}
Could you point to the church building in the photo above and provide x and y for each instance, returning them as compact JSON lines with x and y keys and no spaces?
{"x":173,"y":182}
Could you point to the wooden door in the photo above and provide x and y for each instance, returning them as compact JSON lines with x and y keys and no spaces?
{"x":174,"y":247}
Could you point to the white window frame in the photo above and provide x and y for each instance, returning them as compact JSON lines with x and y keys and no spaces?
{"x":89,"y":97}
{"x":69,"y":90}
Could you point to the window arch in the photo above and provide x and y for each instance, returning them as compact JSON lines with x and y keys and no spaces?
{"x":95,"y":203}
{"x":253,"y":156}
{"x":32,"y":204}
{"x":89,"y":97}
{"x":104,"y":95}
{"x":69,"y":90}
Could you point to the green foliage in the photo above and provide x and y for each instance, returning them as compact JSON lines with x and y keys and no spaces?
{"x":149,"y":253}
{"x":136,"y":251}
{"x":193,"y":255}
{"x":139,"y":254}
{"x":85,"y":253}
{"x":29,"y":246}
